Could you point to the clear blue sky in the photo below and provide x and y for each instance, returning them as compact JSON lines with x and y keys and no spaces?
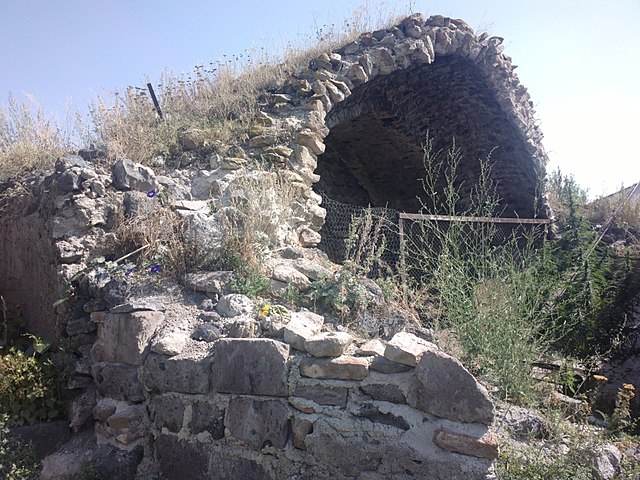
{"x":579,"y":59}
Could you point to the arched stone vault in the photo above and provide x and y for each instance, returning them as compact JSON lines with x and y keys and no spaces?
{"x":370,"y":104}
{"x":374,"y":153}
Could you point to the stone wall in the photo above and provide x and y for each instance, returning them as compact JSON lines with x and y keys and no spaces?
{"x":307,"y":404}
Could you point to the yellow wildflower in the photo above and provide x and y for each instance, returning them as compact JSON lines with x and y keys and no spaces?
{"x":264,"y":311}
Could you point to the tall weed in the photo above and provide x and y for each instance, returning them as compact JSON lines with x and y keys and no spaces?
{"x":489,"y":293}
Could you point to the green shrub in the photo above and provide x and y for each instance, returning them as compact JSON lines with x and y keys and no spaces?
{"x":29,"y":387}
{"x":596,"y":284}
{"x":490,"y":294}
{"x":344,"y":294}
{"x":17,"y":460}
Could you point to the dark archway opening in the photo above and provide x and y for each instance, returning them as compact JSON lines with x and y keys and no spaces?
{"x":374,"y":154}
{"x":374,"y":149}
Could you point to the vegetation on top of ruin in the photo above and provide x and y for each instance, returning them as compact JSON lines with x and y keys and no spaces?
{"x":220,"y":99}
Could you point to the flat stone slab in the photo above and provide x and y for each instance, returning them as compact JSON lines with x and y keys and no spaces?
{"x":209,"y":282}
{"x":407,"y":348}
{"x":384,"y":365}
{"x":185,"y":374}
{"x":328,"y":344}
{"x":251,"y":366}
{"x":483,"y":447}
{"x":372,"y":347}
{"x":260,"y":423}
{"x":443,"y":387}
{"x":118,"y":380}
{"x":340,"y":368}
{"x":323,"y":394}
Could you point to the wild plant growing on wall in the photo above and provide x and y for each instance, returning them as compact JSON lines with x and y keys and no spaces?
{"x":489,"y":295}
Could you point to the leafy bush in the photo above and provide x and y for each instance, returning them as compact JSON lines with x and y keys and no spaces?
{"x":596,"y":284}
{"x":17,"y":460}
{"x":29,"y":386}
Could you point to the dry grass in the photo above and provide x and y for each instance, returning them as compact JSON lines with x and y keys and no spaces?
{"x":159,"y":234}
{"x":624,"y":211}
{"x":29,"y":138}
{"x":220,"y":98}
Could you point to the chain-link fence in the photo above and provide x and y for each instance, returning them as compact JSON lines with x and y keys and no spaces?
{"x":388,"y":239}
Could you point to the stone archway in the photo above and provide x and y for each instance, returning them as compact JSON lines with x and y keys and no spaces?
{"x":373,"y":151}
{"x":370,"y":104}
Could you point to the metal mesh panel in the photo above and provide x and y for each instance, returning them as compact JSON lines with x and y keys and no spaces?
{"x":346,"y":234}
{"x":344,"y":220}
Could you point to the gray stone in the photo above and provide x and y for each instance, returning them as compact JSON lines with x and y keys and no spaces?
{"x":273,"y":326}
{"x":210,"y":282}
{"x":407,"y":349}
{"x":605,"y":463}
{"x":235,"y":304}
{"x":207,"y":332}
{"x":79,"y":326}
{"x":311,"y":270}
{"x":167,"y":411}
{"x":243,"y":328}
{"x":339,"y":368}
{"x":523,"y":422}
{"x":46,"y":437}
{"x":119,"y":381}
{"x":63,"y":465}
{"x":206,"y":417}
{"x":138,"y":305}
{"x":260,"y":423}
{"x":251,"y":367}
{"x":128,"y":175}
{"x":443,"y":387}
{"x":228,"y":467}
{"x":323,"y":394}
{"x":124,"y":337}
{"x":69,"y":161}
{"x":170,"y":344}
{"x":385,"y":392}
{"x":205,"y":185}
{"x":328,"y":344}
{"x":384,"y":365}
{"x":372,"y":347}
{"x":289,"y":275}
{"x":82,"y":408}
{"x":373,"y":413}
{"x":182,"y":373}
{"x":179,"y":459}
{"x":68,"y":181}
{"x":302,"y":326}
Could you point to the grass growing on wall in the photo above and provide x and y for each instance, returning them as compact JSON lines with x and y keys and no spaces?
{"x":220,"y":99}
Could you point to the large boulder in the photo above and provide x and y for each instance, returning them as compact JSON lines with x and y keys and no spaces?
{"x":443,"y":387}
{"x":251,"y":367}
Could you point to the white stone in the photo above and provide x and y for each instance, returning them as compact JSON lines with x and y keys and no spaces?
{"x":302,"y":326}
{"x":407,"y":349}
{"x":328,"y":344}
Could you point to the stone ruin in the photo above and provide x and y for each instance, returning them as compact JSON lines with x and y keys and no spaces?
{"x":184,"y":379}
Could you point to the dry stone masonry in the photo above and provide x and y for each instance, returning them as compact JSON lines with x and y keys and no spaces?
{"x":185,"y":380}
{"x":308,"y":404}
